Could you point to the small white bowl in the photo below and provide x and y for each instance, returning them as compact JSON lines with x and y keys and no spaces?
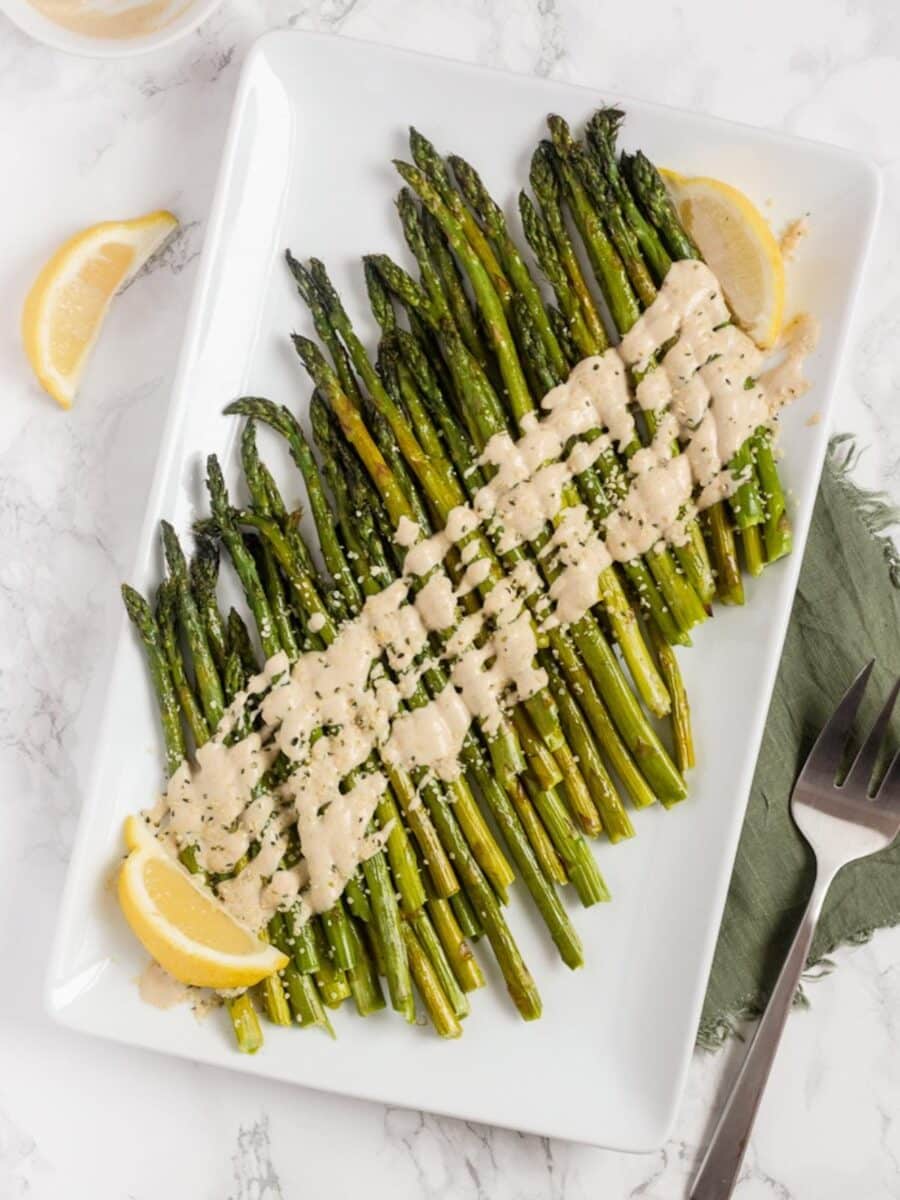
{"x":45,"y":30}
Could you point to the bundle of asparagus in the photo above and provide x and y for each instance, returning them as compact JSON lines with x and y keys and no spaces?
{"x":467,"y":352}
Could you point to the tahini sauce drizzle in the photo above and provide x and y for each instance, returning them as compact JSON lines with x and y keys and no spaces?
{"x":327,"y":714}
{"x":324,"y":717}
{"x":706,"y":384}
{"x":112,"y":18}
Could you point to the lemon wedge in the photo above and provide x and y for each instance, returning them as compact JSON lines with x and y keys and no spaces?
{"x":64,"y":310}
{"x":138,"y":833}
{"x":738,"y":245}
{"x":182,"y":925}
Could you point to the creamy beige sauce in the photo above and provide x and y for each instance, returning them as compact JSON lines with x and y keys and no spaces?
{"x":709,"y":389}
{"x":793,"y":235}
{"x":112,"y":18}
{"x":658,"y":500}
{"x":582,"y":555}
{"x":159,"y":988}
{"x":784,"y":381}
{"x":431,"y":736}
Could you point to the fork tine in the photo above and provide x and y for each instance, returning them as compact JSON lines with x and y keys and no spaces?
{"x":825,"y":756}
{"x":863,"y":766}
{"x":888,"y":792}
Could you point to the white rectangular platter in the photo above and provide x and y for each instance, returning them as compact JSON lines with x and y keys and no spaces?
{"x":307,"y":165}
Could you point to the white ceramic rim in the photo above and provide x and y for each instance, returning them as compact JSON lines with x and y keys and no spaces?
{"x":43,"y":30}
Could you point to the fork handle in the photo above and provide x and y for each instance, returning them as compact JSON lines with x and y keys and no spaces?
{"x":722,"y":1162}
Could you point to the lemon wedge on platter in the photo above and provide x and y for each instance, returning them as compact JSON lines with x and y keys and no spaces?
{"x":182,"y":925}
{"x":738,"y":245}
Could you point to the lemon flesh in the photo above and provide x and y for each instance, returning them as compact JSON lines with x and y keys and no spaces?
{"x":184,"y":927}
{"x":65,"y":308}
{"x":739,"y":247}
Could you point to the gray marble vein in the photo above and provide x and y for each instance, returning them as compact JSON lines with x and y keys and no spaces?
{"x":255,"y":1176}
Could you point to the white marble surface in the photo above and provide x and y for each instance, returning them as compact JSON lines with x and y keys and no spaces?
{"x":86,"y":1119}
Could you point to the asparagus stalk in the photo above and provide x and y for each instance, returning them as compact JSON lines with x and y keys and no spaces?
{"x":458,"y":302}
{"x":209,"y":686}
{"x":466,"y":916}
{"x":651,"y":192}
{"x":616,"y":821}
{"x":447,"y":981}
{"x":301,"y":938}
{"x":571,"y":846}
{"x":379,"y":299}
{"x":241,"y":558}
{"x":260,"y":486}
{"x":204,"y":574}
{"x":432,"y":167}
{"x":166,"y":622}
{"x":546,"y":253}
{"x":160,"y":675}
{"x":303,"y":996}
{"x":541,"y":842}
{"x":363,"y":978}
{"x":440,"y":1009}
{"x":777,"y":527}
{"x":546,"y":186}
{"x":459,"y":953}
{"x":331,"y":980}
{"x":245,"y":1023}
{"x":602,"y":134}
{"x":621,"y":236}
{"x":272,"y":990}
{"x":324,"y":328}
{"x":493,"y":222}
{"x":239,"y":640}
{"x":720,"y":536}
{"x":681,"y":713}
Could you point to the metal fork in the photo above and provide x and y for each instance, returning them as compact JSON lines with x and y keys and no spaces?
{"x":842,"y":822}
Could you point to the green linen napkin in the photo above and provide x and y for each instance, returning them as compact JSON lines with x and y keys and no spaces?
{"x":847,"y":610}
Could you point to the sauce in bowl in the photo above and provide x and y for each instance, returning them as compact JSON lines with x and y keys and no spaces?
{"x":119,"y":19}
